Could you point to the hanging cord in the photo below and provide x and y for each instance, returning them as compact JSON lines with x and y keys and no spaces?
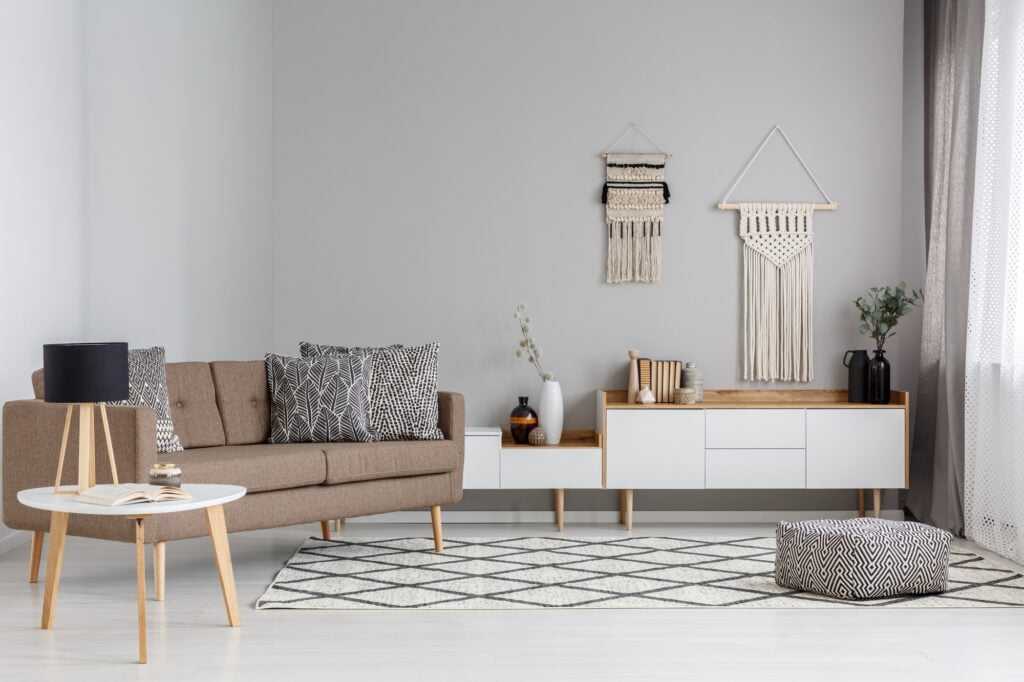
{"x":631,"y":128}
{"x":831,"y":204}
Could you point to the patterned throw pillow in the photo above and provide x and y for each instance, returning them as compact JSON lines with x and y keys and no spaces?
{"x":147,"y":386}
{"x":319,"y":400}
{"x":403,"y":389}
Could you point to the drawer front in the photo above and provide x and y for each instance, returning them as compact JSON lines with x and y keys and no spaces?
{"x":760,"y":469}
{"x":655,"y":449}
{"x":755,"y":429}
{"x":523,"y":468}
{"x":481,"y":469}
{"x":856,"y":448}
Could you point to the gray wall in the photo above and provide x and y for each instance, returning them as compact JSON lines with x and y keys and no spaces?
{"x":42,"y":187}
{"x":436,"y":163}
{"x":179,"y":175}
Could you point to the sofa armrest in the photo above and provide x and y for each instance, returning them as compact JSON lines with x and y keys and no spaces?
{"x":32,"y":432}
{"x":451,"y":413}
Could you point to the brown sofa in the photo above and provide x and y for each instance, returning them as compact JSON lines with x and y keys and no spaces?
{"x":221,"y":414}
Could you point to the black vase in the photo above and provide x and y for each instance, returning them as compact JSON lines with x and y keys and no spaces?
{"x":522,"y":420}
{"x":878,"y":379}
{"x":857,"y":386}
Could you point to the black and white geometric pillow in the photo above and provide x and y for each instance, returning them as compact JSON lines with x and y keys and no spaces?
{"x":147,"y":386}
{"x":320,"y":400}
{"x":403,"y":389}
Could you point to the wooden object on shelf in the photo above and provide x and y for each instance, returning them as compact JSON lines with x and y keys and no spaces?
{"x":746,"y":398}
{"x":570,"y":439}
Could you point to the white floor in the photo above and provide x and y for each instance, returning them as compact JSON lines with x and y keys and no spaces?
{"x":95,"y":633}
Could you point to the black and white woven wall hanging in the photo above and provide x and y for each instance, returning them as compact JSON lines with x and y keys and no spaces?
{"x":635,"y":194}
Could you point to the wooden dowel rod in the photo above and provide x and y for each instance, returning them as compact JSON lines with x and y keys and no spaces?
{"x":817,"y":207}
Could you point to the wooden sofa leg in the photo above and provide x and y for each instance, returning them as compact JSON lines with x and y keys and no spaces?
{"x":37,"y":552}
{"x":159,"y":571}
{"x":338,"y":523}
{"x":435,"y":520}
{"x":325,"y":529}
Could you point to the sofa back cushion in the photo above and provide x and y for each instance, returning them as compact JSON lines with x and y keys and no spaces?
{"x":242,"y":397}
{"x":193,"y":403}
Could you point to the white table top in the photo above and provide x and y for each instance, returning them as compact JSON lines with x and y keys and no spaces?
{"x":203,"y":495}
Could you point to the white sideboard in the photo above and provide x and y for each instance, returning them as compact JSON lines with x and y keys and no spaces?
{"x":734,"y":439}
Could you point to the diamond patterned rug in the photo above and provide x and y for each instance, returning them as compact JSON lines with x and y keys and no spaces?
{"x":543,"y":572}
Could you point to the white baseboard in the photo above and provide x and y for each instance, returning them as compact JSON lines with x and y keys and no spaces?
{"x":613,"y":516}
{"x":14,"y":538}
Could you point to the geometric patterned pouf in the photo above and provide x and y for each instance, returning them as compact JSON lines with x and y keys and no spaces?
{"x":862,"y":558}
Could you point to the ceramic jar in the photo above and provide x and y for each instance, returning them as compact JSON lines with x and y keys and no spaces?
{"x":165,"y":474}
{"x":693,"y":378}
{"x":522,"y":420}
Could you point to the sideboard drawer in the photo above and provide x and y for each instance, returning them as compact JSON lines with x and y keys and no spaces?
{"x":527,"y":468}
{"x":749,"y":468}
{"x":755,"y":428}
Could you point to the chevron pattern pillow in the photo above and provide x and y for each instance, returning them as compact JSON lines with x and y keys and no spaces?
{"x":147,"y":386}
{"x":320,"y":400}
{"x":862,"y":558}
{"x":403,"y":388}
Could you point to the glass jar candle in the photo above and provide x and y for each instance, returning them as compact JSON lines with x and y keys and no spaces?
{"x":165,"y":473}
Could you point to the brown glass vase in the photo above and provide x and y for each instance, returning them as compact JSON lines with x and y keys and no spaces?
{"x":522,"y":420}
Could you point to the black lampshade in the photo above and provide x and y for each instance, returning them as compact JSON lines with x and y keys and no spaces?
{"x":85,"y":372}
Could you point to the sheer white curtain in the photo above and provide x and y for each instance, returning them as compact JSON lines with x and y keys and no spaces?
{"x":994,"y":416}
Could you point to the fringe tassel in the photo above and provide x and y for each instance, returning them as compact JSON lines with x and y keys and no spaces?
{"x":634,"y":252}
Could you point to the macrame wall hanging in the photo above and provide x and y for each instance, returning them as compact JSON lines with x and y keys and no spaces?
{"x":634,"y":195}
{"x":778,"y":277}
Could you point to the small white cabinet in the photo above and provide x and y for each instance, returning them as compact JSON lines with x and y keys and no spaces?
{"x":481,"y":467}
{"x":655,"y":449}
{"x":856,"y":448}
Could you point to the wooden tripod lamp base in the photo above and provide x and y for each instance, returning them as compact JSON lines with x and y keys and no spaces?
{"x":86,"y":447}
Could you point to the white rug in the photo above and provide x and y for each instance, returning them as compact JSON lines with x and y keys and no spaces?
{"x":621,"y":572}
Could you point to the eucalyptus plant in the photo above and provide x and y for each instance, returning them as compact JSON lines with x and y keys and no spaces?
{"x":883,"y":307}
{"x":528,"y":347}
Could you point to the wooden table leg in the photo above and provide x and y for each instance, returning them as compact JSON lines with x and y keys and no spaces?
{"x":33,"y":559}
{"x":140,"y":579}
{"x":560,"y":508}
{"x":628,"y":510}
{"x":878,"y":503}
{"x":159,"y":570}
{"x":222,"y":556}
{"x":860,"y":502}
{"x":54,"y":559}
{"x":435,"y":522}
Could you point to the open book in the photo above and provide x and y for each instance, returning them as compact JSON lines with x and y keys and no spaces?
{"x":130,"y":493}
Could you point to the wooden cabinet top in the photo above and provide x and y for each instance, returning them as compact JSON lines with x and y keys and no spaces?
{"x":615,"y":399}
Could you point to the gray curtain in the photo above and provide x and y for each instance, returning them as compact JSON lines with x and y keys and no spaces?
{"x":954,"y":35}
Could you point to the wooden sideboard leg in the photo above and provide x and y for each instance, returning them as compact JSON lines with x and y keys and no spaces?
{"x":222,"y":556}
{"x":325,"y":530}
{"x":159,"y":572}
{"x":140,"y":579}
{"x":622,"y":506}
{"x":628,"y":510}
{"x":54,"y":559}
{"x":33,"y":559}
{"x":560,"y":509}
{"x":878,"y":503}
{"x":435,"y":521}
{"x":860,"y":502}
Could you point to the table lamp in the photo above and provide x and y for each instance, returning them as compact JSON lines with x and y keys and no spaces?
{"x":86,"y":375}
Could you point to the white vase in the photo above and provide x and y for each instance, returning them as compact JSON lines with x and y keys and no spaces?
{"x":550,"y":412}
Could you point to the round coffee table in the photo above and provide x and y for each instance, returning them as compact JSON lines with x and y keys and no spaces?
{"x":208,"y":497}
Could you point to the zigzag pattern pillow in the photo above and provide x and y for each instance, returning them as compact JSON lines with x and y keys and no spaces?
{"x":147,"y":386}
{"x":319,"y":400}
{"x":403,"y":388}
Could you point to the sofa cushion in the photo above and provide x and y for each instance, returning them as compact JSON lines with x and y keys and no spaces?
{"x":194,"y":405}
{"x":257,"y":467}
{"x":347,"y":462}
{"x":243,"y":400}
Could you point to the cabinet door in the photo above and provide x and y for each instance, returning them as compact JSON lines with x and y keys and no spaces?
{"x":856,"y":448}
{"x":655,"y":449}
{"x":480,"y":468}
